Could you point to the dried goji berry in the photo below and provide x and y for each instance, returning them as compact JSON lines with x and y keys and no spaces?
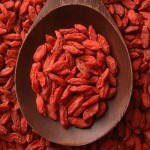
{"x":68,"y":31}
{"x":76,"y":104}
{"x":145,"y":37}
{"x":75,"y":44}
{"x":40,"y":105}
{"x":77,"y":37}
{"x":72,"y":49}
{"x":92,"y":33}
{"x":81,"y":28}
{"x":104,"y":44}
{"x":90,"y":111}
{"x":79,"y":122}
{"x":112,"y":64}
{"x":102,"y":79}
{"x":129,"y":4}
{"x":91,"y":45}
{"x":40,"y":52}
{"x":91,"y":100}
{"x":57,"y":79}
{"x":63,"y":116}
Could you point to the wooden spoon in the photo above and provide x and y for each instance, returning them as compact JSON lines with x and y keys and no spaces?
{"x":64,"y":14}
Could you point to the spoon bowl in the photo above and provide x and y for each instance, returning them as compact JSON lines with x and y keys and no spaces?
{"x":64,"y":14}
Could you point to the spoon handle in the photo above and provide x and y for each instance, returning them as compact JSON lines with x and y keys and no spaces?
{"x":52,"y":5}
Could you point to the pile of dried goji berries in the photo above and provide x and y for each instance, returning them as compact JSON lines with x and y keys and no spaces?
{"x":72,"y":75}
{"x":133,"y":132}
